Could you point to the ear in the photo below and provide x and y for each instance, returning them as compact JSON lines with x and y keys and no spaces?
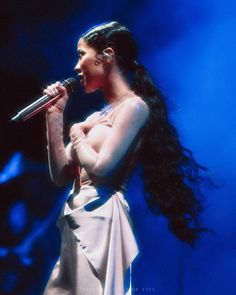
{"x":108,"y":54}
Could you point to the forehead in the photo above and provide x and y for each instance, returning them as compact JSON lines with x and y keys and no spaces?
{"x":82,"y":45}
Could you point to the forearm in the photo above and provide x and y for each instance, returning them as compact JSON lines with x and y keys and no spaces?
{"x":86,"y":155}
{"x":100,"y":166}
{"x":57,"y":157}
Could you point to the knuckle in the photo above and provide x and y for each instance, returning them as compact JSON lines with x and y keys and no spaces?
{"x":72,"y":129}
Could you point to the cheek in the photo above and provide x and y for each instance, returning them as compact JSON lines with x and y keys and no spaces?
{"x":88,"y":67}
{"x":94,"y":72}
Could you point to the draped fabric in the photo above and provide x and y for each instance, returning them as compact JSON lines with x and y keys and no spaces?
{"x":98,"y":245}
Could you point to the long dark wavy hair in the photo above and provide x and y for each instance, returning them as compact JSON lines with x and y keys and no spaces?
{"x":170,"y":173}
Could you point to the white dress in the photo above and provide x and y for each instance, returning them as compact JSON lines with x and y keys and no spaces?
{"x":98,"y":245}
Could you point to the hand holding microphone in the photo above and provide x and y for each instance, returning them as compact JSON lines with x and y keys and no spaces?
{"x":58,"y":92}
{"x":55,"y":98}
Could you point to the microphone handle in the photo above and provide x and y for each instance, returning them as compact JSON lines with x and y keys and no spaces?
{"x":34,"y":108}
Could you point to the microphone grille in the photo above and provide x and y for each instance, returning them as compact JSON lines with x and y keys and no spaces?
{"x":71,"y":84}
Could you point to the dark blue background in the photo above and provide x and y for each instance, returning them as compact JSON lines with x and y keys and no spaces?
{"x":189,"y":47}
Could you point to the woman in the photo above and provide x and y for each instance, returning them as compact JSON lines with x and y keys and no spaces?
{"x":98,"y":244}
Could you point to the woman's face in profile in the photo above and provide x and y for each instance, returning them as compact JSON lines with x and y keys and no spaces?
{"x":90,"y":68}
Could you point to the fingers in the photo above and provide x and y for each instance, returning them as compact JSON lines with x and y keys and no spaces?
{"x":55,"y":89}
{"x":76,"y":132}
{"x":59,"y":96}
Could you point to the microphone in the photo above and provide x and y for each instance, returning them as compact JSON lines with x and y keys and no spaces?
{"x":71,"y":85}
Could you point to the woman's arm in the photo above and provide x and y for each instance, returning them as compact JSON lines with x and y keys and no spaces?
{"x":62,"y":166}
{"x":59,"y":157}
{"x":128,"y":123}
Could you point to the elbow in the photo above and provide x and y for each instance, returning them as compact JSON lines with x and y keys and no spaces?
{"x":58,"y":179}
{"x":58,"y":183}
{"x":102,"y":170}
{"x":98,"y":172}
{"x":61,"y":177}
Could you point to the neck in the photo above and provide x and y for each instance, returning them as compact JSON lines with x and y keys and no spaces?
{"x":116,"y":87}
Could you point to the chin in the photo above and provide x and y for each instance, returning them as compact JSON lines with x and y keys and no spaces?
{"x":90,"y":89}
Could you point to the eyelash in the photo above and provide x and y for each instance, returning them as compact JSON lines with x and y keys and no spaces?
{"x":81,"y":54}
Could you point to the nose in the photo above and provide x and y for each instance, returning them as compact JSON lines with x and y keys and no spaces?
{"x":77,"y":67}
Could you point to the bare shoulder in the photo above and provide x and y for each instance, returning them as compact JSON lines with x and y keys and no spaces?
{"x":135,"y":105}
{"x":133,"y":111}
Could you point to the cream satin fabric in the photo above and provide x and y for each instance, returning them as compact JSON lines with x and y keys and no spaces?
{"x":98,"y":245}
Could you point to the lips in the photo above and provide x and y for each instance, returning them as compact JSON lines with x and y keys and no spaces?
{"x":82,"y":79}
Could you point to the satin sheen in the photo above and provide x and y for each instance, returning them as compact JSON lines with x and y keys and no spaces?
{"x":98,"y":245}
